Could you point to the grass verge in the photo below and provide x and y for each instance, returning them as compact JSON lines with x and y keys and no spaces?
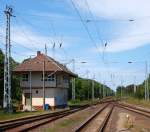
{"x":83,"y":102}
{"x":138,"y":102}
{"x":9,"y":116}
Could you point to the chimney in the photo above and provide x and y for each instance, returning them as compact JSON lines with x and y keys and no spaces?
{"x":38,"y":53}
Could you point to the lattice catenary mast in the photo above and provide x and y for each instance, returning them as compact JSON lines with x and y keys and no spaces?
{"x":7,"y":103}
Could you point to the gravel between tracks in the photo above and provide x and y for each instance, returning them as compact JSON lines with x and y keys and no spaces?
{"x":69,"y":123}
{"x":94,"y":125}
{"x":120,"y":122}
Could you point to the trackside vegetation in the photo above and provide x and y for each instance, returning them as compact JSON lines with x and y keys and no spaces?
{"x":16,"y":91}
{"x":128,"y":91}
{"x":83,"y":86}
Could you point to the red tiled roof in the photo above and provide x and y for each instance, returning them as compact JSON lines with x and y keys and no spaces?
{"x":36,"y":64}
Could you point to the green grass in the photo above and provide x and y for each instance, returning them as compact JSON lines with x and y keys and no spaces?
{"x":10,"y":116}
{"x":67,"y":122}
{"x":60,"y":126}
{"x":79,"y":102}
{"x":140,"y":102}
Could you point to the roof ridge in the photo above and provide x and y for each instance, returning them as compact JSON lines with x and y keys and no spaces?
{"x":58,"y":63}
{"x":53,"y":61}
{"x":51,"y":65}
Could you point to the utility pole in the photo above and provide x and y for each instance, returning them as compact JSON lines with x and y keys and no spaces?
{"x":147,"y":90}
{"x":93,"y":85}
{"x":146,"y":80}
{"x":121,"y":87}
{"x":73,"y":81}
{"x":100,"y":90}
{"x":45,"y":49}
{"x":7,"y":103}
{"x":53,"y":50}
{"x":87,"y":73}
{"x":147,"y":84}
{"x":30,"y":90}
{"x":93,"y":90}
{"x":103,"y":89}
{"x":30,"y":77}
{"x":134,"y":84}
{"x":44,"y":85}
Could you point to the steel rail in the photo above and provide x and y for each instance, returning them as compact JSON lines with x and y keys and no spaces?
{"x":84,"y":124}
{"x":51,"y":119}
{"x":11,"y":124}
{"x":135,"y":110}
{"x":105,"y":122}
{"x":22,"y":122}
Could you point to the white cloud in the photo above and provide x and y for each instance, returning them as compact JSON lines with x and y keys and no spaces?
{"x":51,"y":16}
{"x":117,"y":8}
{"x":29,"y":38}
{"x":133,"y":34}
{"x":26,"y":41}
{"x":127,"y":44}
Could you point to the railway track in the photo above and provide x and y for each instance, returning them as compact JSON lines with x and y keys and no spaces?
{"x":98,"y":121}
{"x":25,"y":124}
{"x":134,"y":109}
{"x":29,"y":123}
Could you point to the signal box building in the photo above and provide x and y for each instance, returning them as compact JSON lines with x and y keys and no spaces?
{"x":55,"y":83}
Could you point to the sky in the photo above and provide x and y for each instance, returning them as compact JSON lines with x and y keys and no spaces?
{"x":105,"y":34}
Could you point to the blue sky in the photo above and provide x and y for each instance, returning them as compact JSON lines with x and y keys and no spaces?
{"x":49,"y":21}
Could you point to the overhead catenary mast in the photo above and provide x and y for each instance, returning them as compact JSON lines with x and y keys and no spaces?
{"x":45,"y":49}
{"x":7,"y":103}
{"x":93,"y":85}
{"x":53,"y":50}
{"x":73,"y":82}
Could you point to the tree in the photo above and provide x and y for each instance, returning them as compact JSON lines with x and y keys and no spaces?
{"x":16,"y":91}
{"x":129,"y":90}
{"x":83,"y":89}
{"x":1,"y":76}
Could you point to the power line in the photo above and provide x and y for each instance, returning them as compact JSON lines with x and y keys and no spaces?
{"x":95,"y":24}
{"x":96,"y":28}
{"x":26,"y":36}
{"x":62,"y":48}
{"x":32,"y":25}
{"x":52,"y":29}
{"x":13,"y":51}
{"x":20,"y":45}
{"x":101,"y":18}
{"x":86,"y":28}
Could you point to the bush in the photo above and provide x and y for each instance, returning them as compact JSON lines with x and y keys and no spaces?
{"x":76,"y":101}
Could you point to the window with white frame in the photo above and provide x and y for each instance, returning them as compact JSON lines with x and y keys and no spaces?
{"x":25,"y":77}
{"x":49,"y":77}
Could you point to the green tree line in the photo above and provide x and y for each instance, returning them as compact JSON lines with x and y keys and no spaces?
{"x":83,"y":89}
{"x":129,"y":90}
{"x":83,"y":86}
{"x":16,"y":91}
